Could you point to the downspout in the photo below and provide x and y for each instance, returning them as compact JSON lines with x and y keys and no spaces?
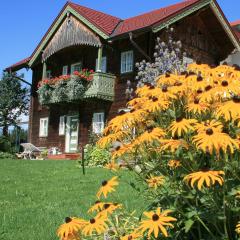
{"x":138,"y":47}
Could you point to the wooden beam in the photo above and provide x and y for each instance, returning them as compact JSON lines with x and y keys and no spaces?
{"x":99,"y":62}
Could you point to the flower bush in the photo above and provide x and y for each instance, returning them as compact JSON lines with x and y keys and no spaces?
{"x":183,"y":137}
{"x":64,"y":88}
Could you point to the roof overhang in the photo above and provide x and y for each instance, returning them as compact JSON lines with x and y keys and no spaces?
{"x":66,"y":10}
{"x":199,"y":5}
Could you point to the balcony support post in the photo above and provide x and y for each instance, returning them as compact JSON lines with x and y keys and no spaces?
{"x":44,"y":73}
{"x":99,"y":62}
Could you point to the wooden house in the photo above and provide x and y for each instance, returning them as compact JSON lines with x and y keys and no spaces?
{"x":85,"y":38}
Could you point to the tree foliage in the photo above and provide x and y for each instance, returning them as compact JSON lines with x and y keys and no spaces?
{"x":13,"y":102}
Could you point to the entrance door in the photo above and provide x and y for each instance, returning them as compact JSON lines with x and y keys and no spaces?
{"x":71,"y":145}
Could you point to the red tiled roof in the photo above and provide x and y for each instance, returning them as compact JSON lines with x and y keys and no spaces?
{"x":19,"y":64}
{"x":105,"y":22}
{"x":235,"y":23}
{"x":151,"y":18}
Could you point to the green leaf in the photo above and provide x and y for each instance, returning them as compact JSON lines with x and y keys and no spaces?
{"x":188,"y":225}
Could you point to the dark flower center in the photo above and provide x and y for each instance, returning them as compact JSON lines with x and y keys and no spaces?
{"x":167,"y":75}
{"x":224,"y":83}
{"x":92,"y":221}
{"x":151,"y":87}
{"x":104,"y":183}
{"x":209,"y":131}
{"x":106,"y":205}
{"x":196,"y":101}
{"x":68,"y":220}
{"x":132,"y":110}
{"x":164,"y":89}
{"x":207,"y":88}
{"x":236,"y":99}
{"x":154,"y":99}
{"x":179,"y":119}
{"x":199,"y":78}
{"x":199,"y":91}
{"x":117,"y":148}
{"x":155,"y":217}
{"x":177,"y":84}
{"x":130,"y":237}
{"x":97,"y":202}
{"x":149,"y":129}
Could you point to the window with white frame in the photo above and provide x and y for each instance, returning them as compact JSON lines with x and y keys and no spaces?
{"x":98,"y":122}
{"x":126,"y":61}
{"x":62,"y":125}
{"x":49,"y":74}
{"x":65,"y":70}
{"x":103,"y":66}
{"x":43,"y":128}
{"x":76,"y":67}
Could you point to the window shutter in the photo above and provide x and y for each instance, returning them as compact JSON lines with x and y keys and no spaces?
{"x":62,"y":125}
{"x":98,"y":122}
{"x":65,"y":70}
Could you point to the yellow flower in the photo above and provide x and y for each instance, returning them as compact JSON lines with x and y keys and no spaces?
{"x":69,"y":230}
{"x":203,"y":126}
{"x":155,"y":181}
{"x":131,"y":236}
{"x":173,"y":144}
{"x":197,"y":107}
{"x":212,"y":139}
{"x":107,"y":187}
{"x":182,"y":125}
{"x":238,"y":228}
{"x":152,"y":134}
{"x":109,"y":208}
{"x":157,"y":222}
{"x":229,"y":110}
{"x":120,"y":151}
{"x":155,"y":104}
{"x":97,"y":224}
{"x":174,"y":164}
{"x":208,"y":177}
{"x":97,"y":207}
{"x":112,"y":166}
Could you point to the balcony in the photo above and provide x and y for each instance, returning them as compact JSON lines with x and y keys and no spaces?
{"x":75,"y":88}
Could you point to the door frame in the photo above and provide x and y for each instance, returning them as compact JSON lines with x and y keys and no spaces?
{"x":67,"y":136}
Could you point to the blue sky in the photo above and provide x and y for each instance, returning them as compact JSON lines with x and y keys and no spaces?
{"x":23,"y":23}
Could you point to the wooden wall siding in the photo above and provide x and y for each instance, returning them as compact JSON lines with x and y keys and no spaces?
{"x":71,"y":33}
{"x":199,"y":42}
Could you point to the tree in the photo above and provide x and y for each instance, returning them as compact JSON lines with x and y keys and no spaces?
{"x":14,"y":100}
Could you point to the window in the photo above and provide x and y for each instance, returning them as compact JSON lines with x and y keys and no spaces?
{"x":98,"y":122}
{"x":65,"y":70}
{"x":76,"y":67}
{"x":104,"y":64}
{"x":62,"y":125}
{"x":48,"y":74}
{"x":43,"y":129}
{"x":126,"y":61}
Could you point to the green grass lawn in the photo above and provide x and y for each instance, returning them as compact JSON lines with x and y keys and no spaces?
{"x":35,"y":196}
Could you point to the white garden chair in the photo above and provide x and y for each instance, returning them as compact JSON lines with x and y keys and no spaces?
{"x":30,"y":151}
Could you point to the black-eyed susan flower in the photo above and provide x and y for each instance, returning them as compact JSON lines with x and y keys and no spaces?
{"x":173,"y":144}
{"x":203,"y":126}
{"x":229,"y":110}
{"x":107,"y":187}
{"x":109,"y":208}
{"x":69,"y":230}
{"x":237,"y":229}
{"x":155,"y":104}
{"x":112,"y":166}
{"x":120,"y":151}
{"x":95,"y":225}
{"x":181,"y":126}
{"x":155,"y":181}
{"x":211,"y":139}
{"x":131,"y":236}
{"x":208,"y":177}
{"x":197,"y":107}
{"x":97,"y":207}
{"x":157,"y":222}
{"x":149,"y":136}
{"x":174,"y":164}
